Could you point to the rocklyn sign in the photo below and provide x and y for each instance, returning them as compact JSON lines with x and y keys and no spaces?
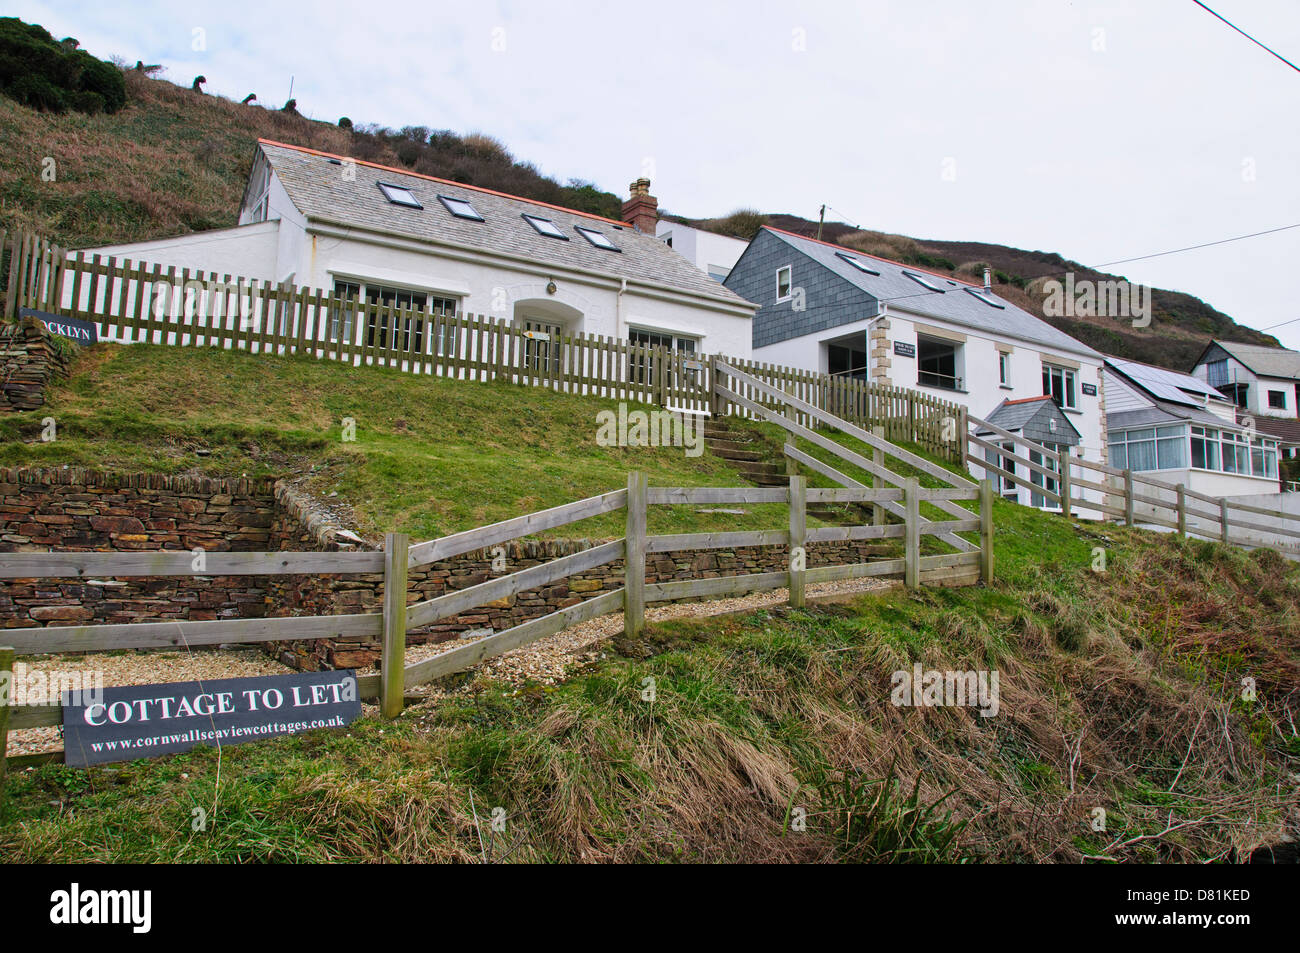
{"x":74,"y":329}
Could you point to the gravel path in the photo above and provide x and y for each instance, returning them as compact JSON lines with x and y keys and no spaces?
{"x":546,"y":661}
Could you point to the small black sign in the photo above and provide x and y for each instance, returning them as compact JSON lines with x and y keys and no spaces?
{"x":1089,"y":390}
{"x":145,"y":721}
{"x":903,"y":349}
{"x":83,"y":332}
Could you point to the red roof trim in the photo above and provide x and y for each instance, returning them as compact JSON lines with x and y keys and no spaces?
{"x":862,"y":254}
{"x":1026,"y":400}
{"x":431,"y":178}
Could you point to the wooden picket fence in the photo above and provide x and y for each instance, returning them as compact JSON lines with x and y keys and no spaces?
{"x":399,"y":556}
{"x":1133,"y":498}
{"x":135,"y":302}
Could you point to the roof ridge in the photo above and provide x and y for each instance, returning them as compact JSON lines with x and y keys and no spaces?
{"x":434,"y":178}
{"x":889,"y":261}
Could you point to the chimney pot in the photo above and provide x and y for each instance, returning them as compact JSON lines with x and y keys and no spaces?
{"x":988,"y":280}
{"x":641,"y":210}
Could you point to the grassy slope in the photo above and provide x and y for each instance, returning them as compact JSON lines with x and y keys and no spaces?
{"x":759,"y":713}
{"x":432,"y":456}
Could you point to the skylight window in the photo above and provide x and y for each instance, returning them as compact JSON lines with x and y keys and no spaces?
{"x":460,"y":208}
{"x":923,"y":281}
{"x":596,"y":238}
{"x":857,"y":263}
{"x":545,"y":227}
{"x":399,"y":196}
{"x":987,"y":298}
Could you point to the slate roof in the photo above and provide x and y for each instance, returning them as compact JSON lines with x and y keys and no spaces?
{"x":955,"y":304}
{"x":1264,"y":361}
{"x":1285,"y":429}
{"x":320,"y":192}
{"x":1162,"y":413}
{"x":1016,"y":415}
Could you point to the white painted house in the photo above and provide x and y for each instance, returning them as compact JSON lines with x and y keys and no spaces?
{"x":713,"y":254}
{"x":1264,"y":383}
{"x":393,"y":236}
{"x":838,"y":311}
{"x":1183,"y":431}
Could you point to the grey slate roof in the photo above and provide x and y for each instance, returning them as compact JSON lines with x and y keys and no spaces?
{"x":320,"y":192}
{"x":1030,"y":417}
{"x":1265,"y":361}
{"x":1162,"y":413}
{"x":955,"y":304}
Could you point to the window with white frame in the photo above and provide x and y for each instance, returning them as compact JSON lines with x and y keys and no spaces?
{"x":1204,"y":448}
{"x":641,"y":366}
{"x":1061,"y":384}
{"x":1004,"y":368}
{"x":1150,"y":448}
{"x":783,"y":282}
{"x":396,"y":329}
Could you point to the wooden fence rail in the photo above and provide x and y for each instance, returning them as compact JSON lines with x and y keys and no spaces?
{"x":390,"y":625}
{"x":137,"y":302}
{"x":1121,"y":491}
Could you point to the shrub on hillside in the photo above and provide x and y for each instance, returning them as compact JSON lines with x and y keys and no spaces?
{"x":42,"y":73}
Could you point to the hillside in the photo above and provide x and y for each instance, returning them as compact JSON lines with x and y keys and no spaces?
{"x":1181,"y":324}
{"x":1119,"y":691}
{"x":175,"y":161}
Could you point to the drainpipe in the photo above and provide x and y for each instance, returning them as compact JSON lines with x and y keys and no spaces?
{"x":618,"y":310}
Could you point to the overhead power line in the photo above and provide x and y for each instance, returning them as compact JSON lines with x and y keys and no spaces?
{"x":1247,"y":35}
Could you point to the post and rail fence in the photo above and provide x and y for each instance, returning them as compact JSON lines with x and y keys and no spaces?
{"x":394,"y":675}
{"x":136,"y":302}
{"x":1061,"y":479}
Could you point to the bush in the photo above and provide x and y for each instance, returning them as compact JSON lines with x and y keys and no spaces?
{"x":42,"y":73}
{"x":38,"y":93}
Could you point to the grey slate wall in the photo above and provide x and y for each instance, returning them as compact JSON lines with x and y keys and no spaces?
{"x":830,"y":300}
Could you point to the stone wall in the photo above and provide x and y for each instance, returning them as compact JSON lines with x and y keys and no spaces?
{"x":78,"y":510}
{"x":30,"y":359}
{"x":84,"y":510}
{"x":329,"y":595}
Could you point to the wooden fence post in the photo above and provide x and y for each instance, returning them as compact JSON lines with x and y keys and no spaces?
{"x":393,"y":661}
{"x":1063,"y":484}
{"x":634,"y":559}
{"x":6,"y":699}
{"x":986,"y":530}
{"x":912,"y":533}
{"x":1182,"y":510}
{"x":1223,"y":518}
{"x":1128,"y":497}
{"x":963,"y":433}
{"x":798,"y":538}
{"x":877,"y":481}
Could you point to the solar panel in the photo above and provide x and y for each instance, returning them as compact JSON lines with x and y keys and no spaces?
{"x":1168,"y":385}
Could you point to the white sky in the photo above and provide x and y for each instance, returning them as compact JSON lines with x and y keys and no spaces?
{"x":1100,"y":131}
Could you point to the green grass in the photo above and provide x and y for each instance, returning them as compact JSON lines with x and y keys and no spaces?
{"x":758,"y":715}
{"x":431,"y":456}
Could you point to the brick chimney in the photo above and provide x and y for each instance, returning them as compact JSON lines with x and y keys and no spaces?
{"x":641,"y":211}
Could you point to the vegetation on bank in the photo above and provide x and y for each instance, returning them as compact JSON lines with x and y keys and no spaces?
{"x":770,"y":721}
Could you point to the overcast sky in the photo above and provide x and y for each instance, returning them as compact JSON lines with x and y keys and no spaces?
{"x":1101,"y":131}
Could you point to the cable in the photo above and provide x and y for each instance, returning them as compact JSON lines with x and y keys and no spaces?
{"x":1247,"y":36}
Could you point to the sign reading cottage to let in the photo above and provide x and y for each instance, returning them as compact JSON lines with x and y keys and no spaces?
{"x":74,"y":329}
{"x":144,"y":721}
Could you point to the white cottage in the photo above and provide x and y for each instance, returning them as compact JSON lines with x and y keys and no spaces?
{"x":393,"y":236}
